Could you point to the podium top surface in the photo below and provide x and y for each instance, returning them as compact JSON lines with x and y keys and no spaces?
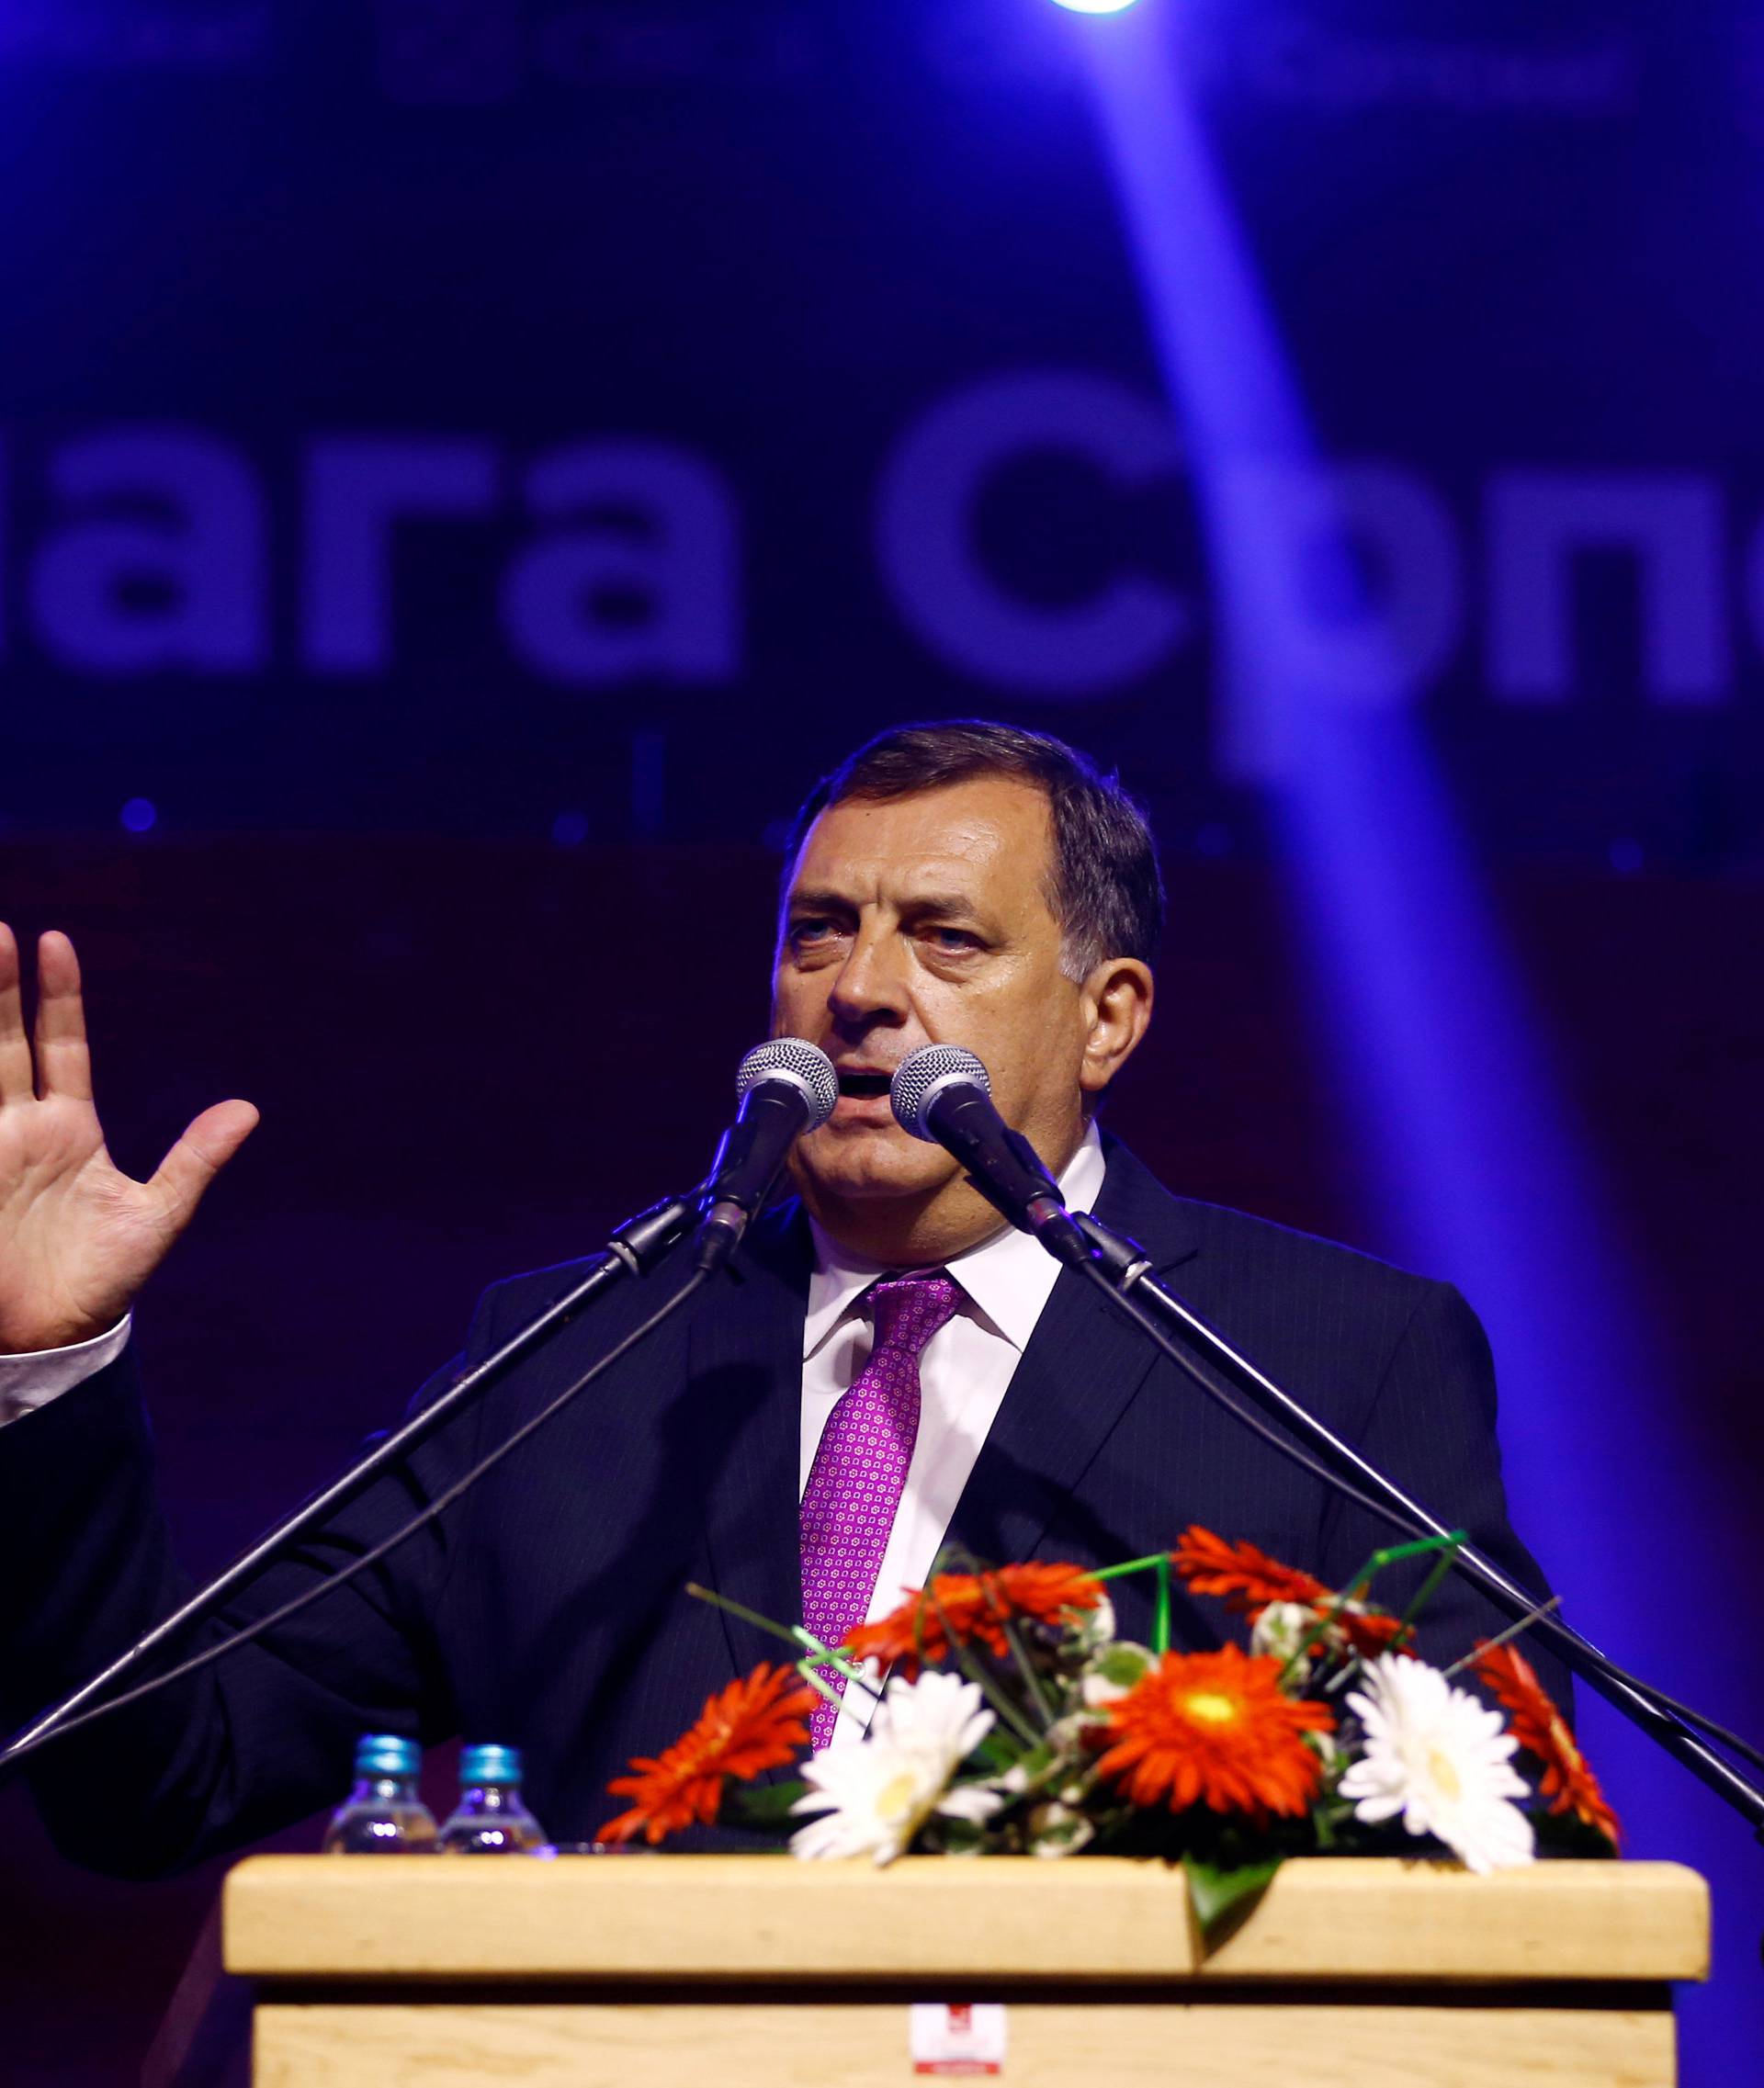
{"x":681,"y":1918}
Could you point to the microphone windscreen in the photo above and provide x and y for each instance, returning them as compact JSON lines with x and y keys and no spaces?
{"x":804,"y":1064}
{"x":918,"y":1077}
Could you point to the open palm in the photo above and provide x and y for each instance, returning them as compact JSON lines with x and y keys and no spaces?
{"x":78,"y":1237}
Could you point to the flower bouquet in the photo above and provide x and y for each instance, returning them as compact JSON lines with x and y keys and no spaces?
{"x":1007,"y":1718}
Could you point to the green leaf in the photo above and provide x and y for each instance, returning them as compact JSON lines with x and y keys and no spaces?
{"x":960,"y":1837}
{"x":1224,"y":1899}
{"x":1122,"y":1663}
{"x":762,"y":1805}
{"x":997,"y":1752}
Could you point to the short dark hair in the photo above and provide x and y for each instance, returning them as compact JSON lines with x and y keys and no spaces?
{"x":1105,"y":888}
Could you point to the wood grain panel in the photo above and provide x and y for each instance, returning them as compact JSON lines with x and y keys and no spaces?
{"x":623,"y":1918}
{"x":1105,"y":2044}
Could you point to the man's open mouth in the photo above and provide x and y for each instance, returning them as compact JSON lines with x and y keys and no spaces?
{"x":863,"y":1084}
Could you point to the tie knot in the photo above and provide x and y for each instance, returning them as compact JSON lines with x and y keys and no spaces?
{"x":906,"y":1310}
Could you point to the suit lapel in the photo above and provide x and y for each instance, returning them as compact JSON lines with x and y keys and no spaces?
{"x":1083,"y":1367}
{"x":745,"y":1364}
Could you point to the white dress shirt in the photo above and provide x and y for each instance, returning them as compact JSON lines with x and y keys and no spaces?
{"x":33,"y":1379}
{"x":964,"y":1373}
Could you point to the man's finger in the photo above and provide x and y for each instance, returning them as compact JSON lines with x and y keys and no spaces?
{"x":15,"y":1046}
{"x":64,"y":1062}
{"x":204,"y":1149}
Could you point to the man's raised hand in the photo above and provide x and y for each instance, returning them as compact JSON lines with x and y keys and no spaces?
{"x":78,"y":1237}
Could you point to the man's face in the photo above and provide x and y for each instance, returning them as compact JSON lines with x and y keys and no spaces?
{"x":918,"y":921}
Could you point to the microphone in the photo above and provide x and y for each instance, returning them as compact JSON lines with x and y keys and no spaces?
{"x":786,"y":1087}
{"x":942,"y":1094}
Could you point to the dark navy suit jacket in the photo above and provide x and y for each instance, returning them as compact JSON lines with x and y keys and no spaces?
{"x":547,"y":1607}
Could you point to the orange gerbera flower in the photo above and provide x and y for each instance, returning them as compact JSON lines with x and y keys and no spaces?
{"x":1243,"y":1573}
{"x":1368,"y":1631}
{"x":1251,"y":1580}
{"x":1214,"y":1729}
{"x":755,"y":1724}
{"x":974,"y":1607}
{"x":1540,"y":1730}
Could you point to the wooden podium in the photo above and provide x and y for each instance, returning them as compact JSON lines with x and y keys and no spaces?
{"x":726,"y":1972}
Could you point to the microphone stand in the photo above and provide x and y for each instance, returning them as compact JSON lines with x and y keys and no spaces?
{"x":633,"y":1249}
{"x":1121,"y":1269}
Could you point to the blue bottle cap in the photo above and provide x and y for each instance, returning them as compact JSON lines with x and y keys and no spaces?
{"x":386,"y":1754}
{"x":490,"y":1765}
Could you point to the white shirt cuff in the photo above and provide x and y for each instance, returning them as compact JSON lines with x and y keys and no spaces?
{"x":33,"y":1379}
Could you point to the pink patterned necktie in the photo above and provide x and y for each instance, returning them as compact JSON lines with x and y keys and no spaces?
{"x":860,"y":1468}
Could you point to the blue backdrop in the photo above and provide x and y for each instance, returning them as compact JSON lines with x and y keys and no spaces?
{"x":465,"y":467}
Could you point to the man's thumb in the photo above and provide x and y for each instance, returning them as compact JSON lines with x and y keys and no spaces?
{"x":204,"y":1149}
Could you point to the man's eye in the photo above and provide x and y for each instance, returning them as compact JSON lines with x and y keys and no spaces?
{"x":954,"y":939}
{"x":810,"y":931}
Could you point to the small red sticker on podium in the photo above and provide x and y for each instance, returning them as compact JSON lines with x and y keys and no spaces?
{"x":956,"y":2037}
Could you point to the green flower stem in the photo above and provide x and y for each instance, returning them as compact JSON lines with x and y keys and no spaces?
{"x":975,"y":1673}
{"x":1513,"y":1632}
{"x":1289,"y":1673}
{"x":1143,"y":1565}
{"x":1424,"y":1594}
{"x":1057,"y":1769}
{"x":1389,"y":1556}
{"x":1158,"y":1562}
{"x":1031,"y":1680}
{"x":1084,"y":1780}
{"x":793,"y":1635}
{"x":809,"y":1670}
{"x":1394,"y":1555}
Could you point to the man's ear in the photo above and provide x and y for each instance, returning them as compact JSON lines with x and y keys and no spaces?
{"x":1117,"y":1008}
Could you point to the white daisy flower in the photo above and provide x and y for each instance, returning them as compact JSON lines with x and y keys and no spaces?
{"x":1284,"y":1630}
{"x":1114,"y":1670}
{"x":1096,"y":1692}
{"x":1091,"y":1627}
{"x":877,"y":1794}
{"x":1440,"y":1757}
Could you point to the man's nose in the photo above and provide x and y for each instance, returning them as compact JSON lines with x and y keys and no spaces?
{"x":871,"y":984}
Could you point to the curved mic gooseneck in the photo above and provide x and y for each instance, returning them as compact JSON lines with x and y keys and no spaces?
{"x":786,"y":1087}
{"x":944,"y":1095}
{"x":634,"y":1249}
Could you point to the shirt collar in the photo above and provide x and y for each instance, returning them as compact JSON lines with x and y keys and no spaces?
{"x":1006,"y":1281}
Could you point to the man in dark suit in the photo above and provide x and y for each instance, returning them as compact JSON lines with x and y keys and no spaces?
{"x":884,"y":1369}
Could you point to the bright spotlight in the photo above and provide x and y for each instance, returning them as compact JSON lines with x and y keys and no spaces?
{"x":1094,"y":7}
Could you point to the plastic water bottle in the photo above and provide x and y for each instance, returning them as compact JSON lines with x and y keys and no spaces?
{"x":383,"y":1815}
{"x":490,"y":1818}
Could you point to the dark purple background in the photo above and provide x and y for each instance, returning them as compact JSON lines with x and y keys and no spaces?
{"x":433,"y":1031}
{"x":420,"y":909}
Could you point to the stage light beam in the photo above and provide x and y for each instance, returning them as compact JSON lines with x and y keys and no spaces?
{"x":1471,"y":1156}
